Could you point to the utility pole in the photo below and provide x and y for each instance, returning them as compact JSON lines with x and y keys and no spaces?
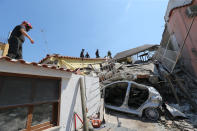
{"x":83,"y":103}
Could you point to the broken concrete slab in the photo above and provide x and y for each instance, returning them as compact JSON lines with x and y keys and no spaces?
{"x":175,"y":112}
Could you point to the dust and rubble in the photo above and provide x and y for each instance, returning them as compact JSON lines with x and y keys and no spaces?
{"x":150,"y":87}
{"x":177,"y":90}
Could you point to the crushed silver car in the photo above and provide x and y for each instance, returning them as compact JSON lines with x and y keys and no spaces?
{"x":134,"y":98}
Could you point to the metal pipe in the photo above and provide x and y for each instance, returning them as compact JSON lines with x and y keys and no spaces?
{"x":83,"y":103}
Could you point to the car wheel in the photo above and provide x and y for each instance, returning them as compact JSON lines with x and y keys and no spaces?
{"x":152,"y":114}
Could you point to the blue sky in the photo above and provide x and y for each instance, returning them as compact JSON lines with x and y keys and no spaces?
{"x":66,"y":26}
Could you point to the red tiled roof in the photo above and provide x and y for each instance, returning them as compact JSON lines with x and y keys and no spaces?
{"x":34,"y":64}
{"x":69,"y":57}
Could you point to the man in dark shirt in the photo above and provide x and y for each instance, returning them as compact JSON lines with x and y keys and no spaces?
{"x":82,"y":53}
{"x":87,"y":55}
{"x":17,"y":38}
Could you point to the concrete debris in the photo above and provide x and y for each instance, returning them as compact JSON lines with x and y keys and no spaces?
{"x":145,"y":71}
{"x":137,"y":55}
{"x":174,"y":112}
{"x":177,"y":89}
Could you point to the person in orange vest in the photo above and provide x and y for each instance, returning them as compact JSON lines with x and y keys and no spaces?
{"x":17,"y":39}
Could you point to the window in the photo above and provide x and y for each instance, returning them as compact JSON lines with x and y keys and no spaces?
{"x":137,"y":96}
{"x":13,"y":119}
{"x":167,"y":53}
{"x":39,"y":116}
{"x":115,"y":93}
{"x":191,"y":11}
{"x":28,"y":103}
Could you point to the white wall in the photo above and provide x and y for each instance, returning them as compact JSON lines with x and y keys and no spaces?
{"x":71,"y":100}
{"x":93,"y":94}
{"x":70,"y":91}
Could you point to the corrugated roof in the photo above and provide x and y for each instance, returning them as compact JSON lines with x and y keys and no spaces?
{"x":34,"y":64}
{"x":69,"y":57}
{"x":133,"y":51}
{"x":173,"y":4}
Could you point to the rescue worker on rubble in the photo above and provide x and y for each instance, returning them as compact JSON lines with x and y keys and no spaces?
{"x":17,"y":38}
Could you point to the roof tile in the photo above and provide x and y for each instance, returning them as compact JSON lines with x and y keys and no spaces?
{"x":69,"y":57}
{"x":34,"y":64}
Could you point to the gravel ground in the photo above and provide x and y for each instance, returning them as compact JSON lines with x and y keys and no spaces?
{"x":116,"y":121}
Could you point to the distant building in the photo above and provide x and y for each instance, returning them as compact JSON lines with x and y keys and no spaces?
{"x":73,"y":63}
{"x":3,"y":49}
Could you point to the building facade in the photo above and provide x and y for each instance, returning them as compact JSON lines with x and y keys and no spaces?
{"x":37,"y":97}
{"x":179,"y":38}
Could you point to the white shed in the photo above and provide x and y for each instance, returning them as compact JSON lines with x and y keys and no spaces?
{"x":38,"y":97}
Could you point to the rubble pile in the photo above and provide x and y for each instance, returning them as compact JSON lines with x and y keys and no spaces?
{"x":180,"y":93}
{"x":144,"y":73}
{"x":177,"y":88}
{"x":171,"y":79}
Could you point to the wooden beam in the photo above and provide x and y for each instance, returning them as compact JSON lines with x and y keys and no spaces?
{"x":29,"y":118}
{"x":40,"y":125}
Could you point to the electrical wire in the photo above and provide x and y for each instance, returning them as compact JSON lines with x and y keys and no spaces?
{"x":47,"y":50}
{"x":184,"y":42}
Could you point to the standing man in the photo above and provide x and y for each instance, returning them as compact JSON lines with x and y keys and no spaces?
{"x":17,"y":38}
{"x":82,"y":54}
{"x":87,"y":55}
{"x":97,"y":54}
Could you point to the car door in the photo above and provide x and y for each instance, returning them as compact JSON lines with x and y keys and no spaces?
{"x":115,"y":93}
{"x":138,"y":94}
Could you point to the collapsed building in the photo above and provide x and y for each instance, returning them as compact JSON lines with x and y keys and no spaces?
{"x":136,"y":55}
{"x":179,"y":39}
{"x":129,"y":65}
{"x":128,"y":86}
{"x":176,"y":57}
{"x":177,"y":53}
{"x":171,"y":69}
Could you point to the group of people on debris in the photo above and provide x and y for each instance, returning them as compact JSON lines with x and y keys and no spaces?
{"x":87,"y":55}
{"x":96,"y":53}
{"x":82,"y":54}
